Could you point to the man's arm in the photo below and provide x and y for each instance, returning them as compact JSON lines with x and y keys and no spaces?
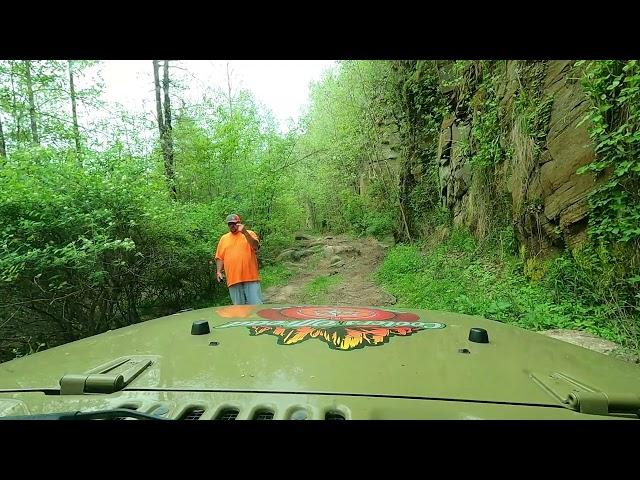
{"x":252,"y":241}
{"x":219,"y":266}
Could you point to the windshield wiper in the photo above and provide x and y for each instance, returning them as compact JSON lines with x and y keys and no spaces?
{"x":112,"y":414}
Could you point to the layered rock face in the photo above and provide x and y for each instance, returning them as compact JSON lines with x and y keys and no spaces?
{"x":548,"y":197}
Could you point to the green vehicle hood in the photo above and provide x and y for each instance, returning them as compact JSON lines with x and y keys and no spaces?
{"x":247,"y":351}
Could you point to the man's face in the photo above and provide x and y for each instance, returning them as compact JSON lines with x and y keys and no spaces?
{"x":233,"y":227}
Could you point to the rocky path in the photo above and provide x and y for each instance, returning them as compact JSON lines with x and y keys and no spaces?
{"x":332,"y":270}
{"x":338,"y":270}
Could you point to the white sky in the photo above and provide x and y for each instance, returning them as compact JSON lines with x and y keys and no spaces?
{"x":281,"y":85}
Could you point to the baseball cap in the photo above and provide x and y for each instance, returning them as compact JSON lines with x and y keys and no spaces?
{"x":233,"y":218}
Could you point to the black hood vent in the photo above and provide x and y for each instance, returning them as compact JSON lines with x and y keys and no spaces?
{"x":193,"y":413}
{"x":228,"y":414}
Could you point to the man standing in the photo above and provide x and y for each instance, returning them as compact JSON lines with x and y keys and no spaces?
{"x":236,"y":254}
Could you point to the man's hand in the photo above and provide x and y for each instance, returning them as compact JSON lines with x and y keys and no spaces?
{"x":219,"y":267}
{"x":252,"y":241}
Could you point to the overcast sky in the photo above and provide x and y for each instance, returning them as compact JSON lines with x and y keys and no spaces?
{"x":281,"y":85}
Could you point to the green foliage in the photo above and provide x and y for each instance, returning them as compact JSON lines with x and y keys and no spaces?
{"x":83,"y":251}
{"x":342,"y":131}
{"x":531,"y":109}
{"x":363,"y":217}
{"x":461,"y":240}
{"x":419,"y":110}
{"x":316,"y":291}
{"x":536,"y":115}
{"x":605,"y":280}
{"x":239,"y":162}
{"x":93,"y":241}
{"x":423,"y":106}
{"x":424,"y":204}
{"x":609,"y":268}
{"x":486,"y":129}
{"x":273,"y":275}
{"x":356,"y":113}
{"x":51,"y":92}
{"x":506,"y":240}
{"x":457,"y":276}
{"x":614,"y":89}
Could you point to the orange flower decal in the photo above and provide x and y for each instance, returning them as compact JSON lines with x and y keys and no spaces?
{"x":338,"y":338}
{"x":341,"y":328}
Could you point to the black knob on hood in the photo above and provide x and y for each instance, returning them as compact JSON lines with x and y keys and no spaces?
{"x":200,"y":327}
{"x":478,"y":335}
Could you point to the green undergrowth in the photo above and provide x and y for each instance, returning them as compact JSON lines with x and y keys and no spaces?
{"x":458,"y":275}
{"x":316,"y":291}
{"x":274,"y":275}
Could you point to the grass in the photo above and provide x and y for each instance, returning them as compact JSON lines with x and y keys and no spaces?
{"x":458,"y":276}
{"x":274,"y":275}
{"x":317,"y":290}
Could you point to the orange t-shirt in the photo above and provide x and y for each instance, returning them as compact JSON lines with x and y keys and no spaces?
{"x":239,"y":259}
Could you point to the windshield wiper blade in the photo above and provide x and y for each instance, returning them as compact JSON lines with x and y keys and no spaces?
{"x":111,"y":414}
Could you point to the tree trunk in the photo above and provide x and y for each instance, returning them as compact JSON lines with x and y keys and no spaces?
{"x":226,"y":175}
{"x":156,"y":78}
{"x":32,"y":105}
{"x":229,"y":89}
{"x":162,"y":127}
{"x":17,"y":119}
{"x":310,"y":207}
{"x":3,"y":146}
{"x":76,"y":132}
{"x":171,"y":175}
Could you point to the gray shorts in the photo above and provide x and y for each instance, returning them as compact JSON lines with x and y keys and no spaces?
{"x":246,"y":293}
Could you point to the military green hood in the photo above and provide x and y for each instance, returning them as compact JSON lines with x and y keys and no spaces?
{"x":355,"y":351}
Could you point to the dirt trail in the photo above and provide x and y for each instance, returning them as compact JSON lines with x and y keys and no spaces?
{"x":338,"y":270}
{"x":334,"y":270}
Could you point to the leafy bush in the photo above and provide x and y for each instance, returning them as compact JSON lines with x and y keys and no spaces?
{"x":457,"y":276}
{"x":85,"y":250}
{"x":614,"y":89}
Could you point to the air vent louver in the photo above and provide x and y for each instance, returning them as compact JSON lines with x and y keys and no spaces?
{"x":193,"y":413}
{"x":227,"y":414}
{"x":263,"y":415}
{"x":334,"y":416}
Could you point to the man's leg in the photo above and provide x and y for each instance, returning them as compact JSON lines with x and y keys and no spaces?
{"x":253,"y":293}
{"x":237,"y":294}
